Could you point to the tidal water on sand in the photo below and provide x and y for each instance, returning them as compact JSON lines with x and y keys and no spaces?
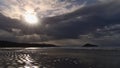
{"x":59,"y":58}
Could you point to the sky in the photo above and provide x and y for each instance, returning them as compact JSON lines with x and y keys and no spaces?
{"x":62,"y":22}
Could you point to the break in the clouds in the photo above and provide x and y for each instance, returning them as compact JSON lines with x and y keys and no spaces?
{"x":44,"y":8}
{"x":63,"y":22}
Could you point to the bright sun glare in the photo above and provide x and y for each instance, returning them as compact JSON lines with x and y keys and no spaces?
{"x":30,"y":17}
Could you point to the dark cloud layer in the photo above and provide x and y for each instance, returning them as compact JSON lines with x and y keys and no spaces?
{"x":100,"y":20}
{"x":83,"y":21}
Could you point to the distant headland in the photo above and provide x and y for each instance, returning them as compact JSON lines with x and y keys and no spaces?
{"x":14,"y":44}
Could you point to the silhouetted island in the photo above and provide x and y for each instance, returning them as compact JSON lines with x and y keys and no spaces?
{"x":89,"y":45}
{"x":14,"y":44}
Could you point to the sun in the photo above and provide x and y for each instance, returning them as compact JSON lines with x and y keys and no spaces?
{"x":30,"y":17}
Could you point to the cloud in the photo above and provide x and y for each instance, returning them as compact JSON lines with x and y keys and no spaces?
{"x":107,"y":40}
{"x":7,"y":36}
{"x":16,"y":31}
{"x":44,"y":8}
{"x":67,"y":42}
{"x":81,"y":21}
{"x":87,"y":21}
{"x":97,"y":24}
{"x":107,"y":1}
{"x":28,"y":38}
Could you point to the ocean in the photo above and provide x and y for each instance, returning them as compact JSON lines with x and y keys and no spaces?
{"x":60,"y":57}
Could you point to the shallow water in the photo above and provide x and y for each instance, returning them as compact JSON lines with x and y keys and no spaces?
{"x":59,"y":58}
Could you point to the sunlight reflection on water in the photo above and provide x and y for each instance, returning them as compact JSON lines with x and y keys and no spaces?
{"x":27,"y":60}
{"x":59,"y":58}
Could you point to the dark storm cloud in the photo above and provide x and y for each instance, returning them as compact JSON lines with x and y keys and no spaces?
{"x":83,"y":21}
{"x":7,"y":23}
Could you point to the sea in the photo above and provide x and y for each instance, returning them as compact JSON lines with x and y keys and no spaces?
{"x":60,"y":57}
